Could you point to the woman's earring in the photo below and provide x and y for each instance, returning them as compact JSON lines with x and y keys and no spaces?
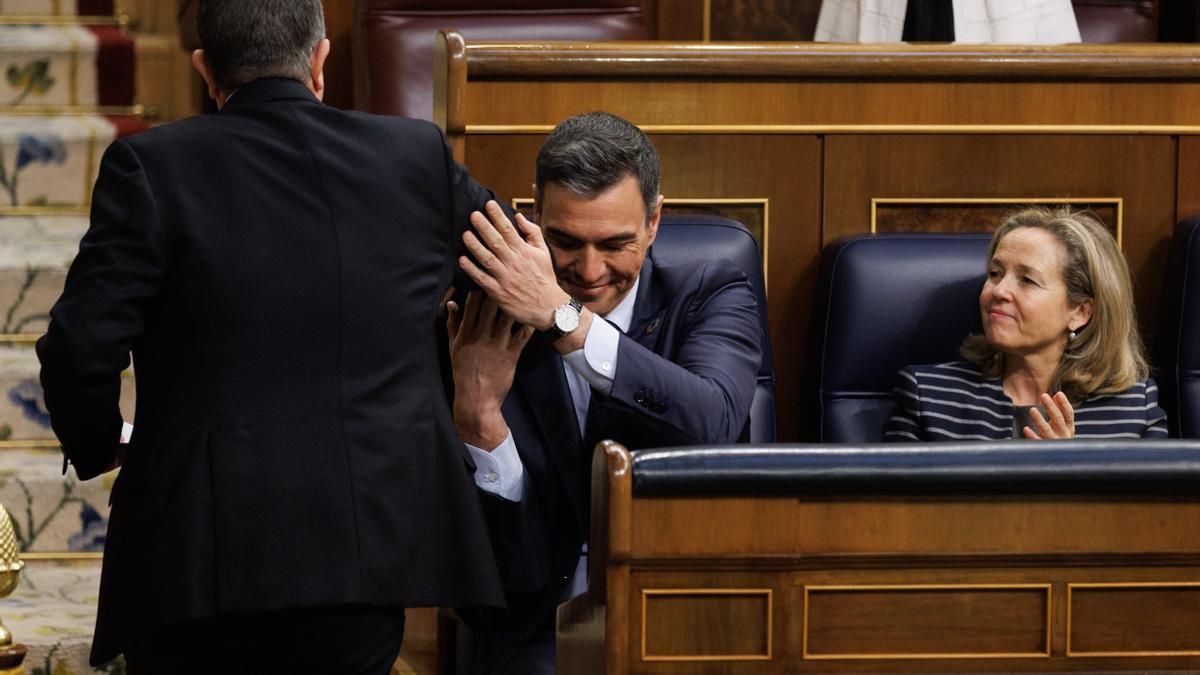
{"x":1071,"y":336}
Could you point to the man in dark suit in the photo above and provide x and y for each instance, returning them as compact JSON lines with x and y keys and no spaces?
{"x":294,"y":479}
{"x":643,"y":353}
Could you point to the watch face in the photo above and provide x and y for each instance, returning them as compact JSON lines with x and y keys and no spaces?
{"x":566,"y":319}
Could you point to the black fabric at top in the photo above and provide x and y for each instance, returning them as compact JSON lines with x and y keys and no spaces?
{"x":929,"y":21}
{"x":1004,"y":467}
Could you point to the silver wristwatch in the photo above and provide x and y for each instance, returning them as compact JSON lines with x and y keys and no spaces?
{"x":566,"y":319}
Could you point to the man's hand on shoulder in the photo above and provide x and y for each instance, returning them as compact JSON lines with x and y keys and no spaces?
{"x":484,"y":348}
{"x":517,"y":272}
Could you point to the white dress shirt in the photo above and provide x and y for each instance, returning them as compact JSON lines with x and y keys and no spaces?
{"x":501,"y":472}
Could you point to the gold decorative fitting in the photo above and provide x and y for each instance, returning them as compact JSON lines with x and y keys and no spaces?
{"x":11,"y":655}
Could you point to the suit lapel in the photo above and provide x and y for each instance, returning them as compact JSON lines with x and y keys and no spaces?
{"x":649,"y":310}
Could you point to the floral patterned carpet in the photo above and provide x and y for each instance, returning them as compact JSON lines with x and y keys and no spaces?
{"x":66,"y":93}
{"x":53,"y":611}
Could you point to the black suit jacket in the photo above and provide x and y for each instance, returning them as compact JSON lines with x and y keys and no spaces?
{"x":275,"y":270}
{"x":686,"y":373}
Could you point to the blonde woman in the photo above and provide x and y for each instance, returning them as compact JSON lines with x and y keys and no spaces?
{"x":1059,"y":356}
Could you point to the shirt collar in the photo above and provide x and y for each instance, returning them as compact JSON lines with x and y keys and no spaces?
{"x":622,"y":315}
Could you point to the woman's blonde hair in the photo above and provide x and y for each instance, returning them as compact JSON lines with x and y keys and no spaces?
{"x":1106,"y":356}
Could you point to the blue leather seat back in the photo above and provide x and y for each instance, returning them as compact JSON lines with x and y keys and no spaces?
{"x":1178,"y":371}
{"x":884,"y":302}
{"x":694,"y":239}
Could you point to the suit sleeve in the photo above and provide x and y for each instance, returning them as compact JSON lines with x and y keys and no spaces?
{"x":466,"y":196}
{"x":100,"y":315}
{"x":904,"y":424}
{"x":701,"y":394}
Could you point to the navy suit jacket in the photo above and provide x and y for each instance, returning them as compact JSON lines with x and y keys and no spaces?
{"x":275,"y":270}
{"x":685,"y":375}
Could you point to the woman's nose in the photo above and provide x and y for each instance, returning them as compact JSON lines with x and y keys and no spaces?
{"x":1002,"y":288}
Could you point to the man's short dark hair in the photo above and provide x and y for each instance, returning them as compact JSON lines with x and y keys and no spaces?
{"x":588,"y":154}
{"x":245,"y":40}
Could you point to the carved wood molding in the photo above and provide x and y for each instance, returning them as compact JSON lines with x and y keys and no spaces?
{"x":550,"y":59}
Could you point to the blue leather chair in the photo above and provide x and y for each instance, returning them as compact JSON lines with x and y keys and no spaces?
{"x":1178,"y":371}
{"x":685,"y":238}
{"x":884,"y":302}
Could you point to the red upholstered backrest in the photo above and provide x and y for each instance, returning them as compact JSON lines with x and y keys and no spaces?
{"x":1117,"y":20}
{"x":395,"y":39}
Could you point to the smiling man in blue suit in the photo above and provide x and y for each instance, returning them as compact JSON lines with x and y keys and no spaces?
{"x":581,"y":337}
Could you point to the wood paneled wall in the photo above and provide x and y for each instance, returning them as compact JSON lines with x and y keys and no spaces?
{"x":818,"y":134}
{"x":762,"y":20}
{"x":339,"y":70}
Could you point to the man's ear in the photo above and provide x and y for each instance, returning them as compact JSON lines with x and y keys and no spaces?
{"x":652,"y":222}
{"x":317,"y":64}
{"x":201,"y":66}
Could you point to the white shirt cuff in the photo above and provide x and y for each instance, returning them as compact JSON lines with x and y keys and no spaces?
{"x":500,"y":472}
{"x":597,"y":361}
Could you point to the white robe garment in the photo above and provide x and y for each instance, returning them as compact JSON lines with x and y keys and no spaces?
{"x":975,"y":21}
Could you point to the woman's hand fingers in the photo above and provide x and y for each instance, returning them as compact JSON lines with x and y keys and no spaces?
{"x":1041,"y":425}
{"x":1068,"y":411}
{"x":1057,"y":422}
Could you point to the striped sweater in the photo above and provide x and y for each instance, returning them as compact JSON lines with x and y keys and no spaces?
{"x":954,"y":401}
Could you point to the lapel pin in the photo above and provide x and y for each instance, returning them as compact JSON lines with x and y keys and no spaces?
{"x":653,"y":325}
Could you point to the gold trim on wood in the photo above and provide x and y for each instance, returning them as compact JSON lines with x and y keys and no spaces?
{"x":31,"y":444}
{"x":90,"y":176}
{"x":60,"y":556}
{"x":135,"y":110}
{"x":1075,"y":129}
{"x":20,"y":338}
{"x":73,"y":75}
{"x":749,"y":61}
{"x":712,"y":591}
{"x":27,"y":19}
{"x":1116,"y":585}
{"x":1119,"y":202}
{"x":804,"y":654}
{"x":46,"y":210}
{"x":518,"y":202}
{"x":707,"y":30}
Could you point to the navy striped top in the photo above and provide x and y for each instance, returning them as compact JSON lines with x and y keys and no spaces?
{"x":954,"y":401}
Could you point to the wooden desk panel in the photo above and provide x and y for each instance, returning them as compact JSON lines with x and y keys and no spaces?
{"x":905,"y":583}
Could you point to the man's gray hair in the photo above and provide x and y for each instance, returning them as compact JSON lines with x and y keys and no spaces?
{"x":589,"y":153}
{"x":245,"y":40}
